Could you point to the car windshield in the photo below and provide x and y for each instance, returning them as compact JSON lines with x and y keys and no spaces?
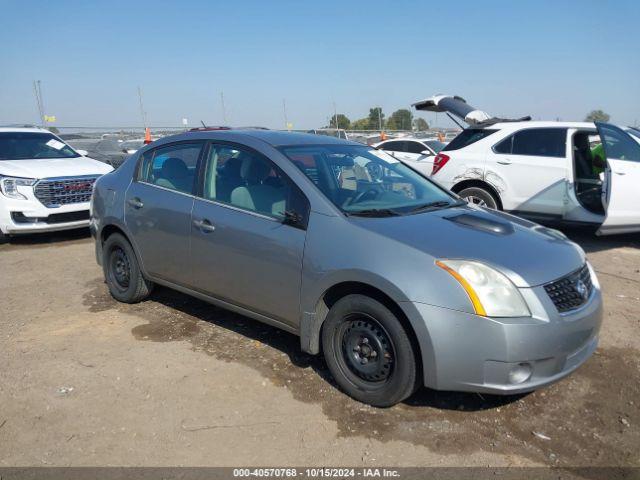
{"x":361,"y":180}
{"x":435,"y":145}
{"x":30,"y":145}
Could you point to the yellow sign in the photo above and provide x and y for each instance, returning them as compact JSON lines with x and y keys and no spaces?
{"x":50,"y":118}
{"x":289,"y":126}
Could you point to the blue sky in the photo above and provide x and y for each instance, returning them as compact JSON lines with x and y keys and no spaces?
{"x":548,"y":59}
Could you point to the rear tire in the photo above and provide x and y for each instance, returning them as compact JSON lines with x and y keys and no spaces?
{"x":3,"y":238}
{"x":368,"y":352}
{"x":122,"y":272}
{"x":480,"y":196}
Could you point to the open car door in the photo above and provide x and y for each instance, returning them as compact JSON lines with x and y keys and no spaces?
{"x":621,"y":191}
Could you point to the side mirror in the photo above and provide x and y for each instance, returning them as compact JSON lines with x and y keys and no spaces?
{"x":84,"y":153}
{"x":428,"y":153}
{"x":293,"y":219}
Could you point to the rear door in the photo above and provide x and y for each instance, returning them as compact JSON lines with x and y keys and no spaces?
{"x":534,"y":166}
{"x":243,"y":249}
{"x":158,"y":207}
{"x":621,"y":192}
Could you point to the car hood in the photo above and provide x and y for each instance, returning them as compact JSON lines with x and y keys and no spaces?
{"x":53,"y":167}
{"x":528,"y":253}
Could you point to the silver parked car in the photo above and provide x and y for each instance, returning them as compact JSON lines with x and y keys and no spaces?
{"x":397,"y":281}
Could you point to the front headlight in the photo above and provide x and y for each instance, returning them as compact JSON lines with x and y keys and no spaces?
{"x":491,"y":293}
{"x":9,"y":186}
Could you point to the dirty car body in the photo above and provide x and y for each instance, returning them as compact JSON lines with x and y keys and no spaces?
{"x":361,"y":257}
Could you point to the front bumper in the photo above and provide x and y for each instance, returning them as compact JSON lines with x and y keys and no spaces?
{"x":465,"y":352}
{"x":27,"y":216}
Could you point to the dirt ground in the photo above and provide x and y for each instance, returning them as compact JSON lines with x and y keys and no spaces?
{"x":174,"y":381}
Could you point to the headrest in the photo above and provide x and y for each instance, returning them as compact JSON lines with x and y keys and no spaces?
{"x":254,"y":171}
{"x":232,"y":166}
{"x":174,"y":168}
{"x":581,"y":142}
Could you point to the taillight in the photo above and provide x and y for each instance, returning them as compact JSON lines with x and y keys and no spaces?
{"x":439,"y":162}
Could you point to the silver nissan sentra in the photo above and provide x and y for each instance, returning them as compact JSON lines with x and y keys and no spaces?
{"x":394,"y":279}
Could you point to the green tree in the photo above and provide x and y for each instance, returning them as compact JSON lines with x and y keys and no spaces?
{"x":420,"y":124}
{"x":597,"y":116}
{"x":400,"y":120}
{"x":53,"y":130}
{"x":361,"y":124}
{"x":376,"y":118}
{"x":342,"y":120}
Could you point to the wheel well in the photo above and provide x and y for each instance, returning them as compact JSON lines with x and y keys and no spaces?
{"x":457,"y":188}
{"x":109,"y":230}
{"x":341,"y":290}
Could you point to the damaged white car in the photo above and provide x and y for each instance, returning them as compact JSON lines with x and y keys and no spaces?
{"x":573,"y":172}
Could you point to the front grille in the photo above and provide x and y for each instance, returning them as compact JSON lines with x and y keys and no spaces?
{"x":54,"y":192}
{"x":572,"y":291}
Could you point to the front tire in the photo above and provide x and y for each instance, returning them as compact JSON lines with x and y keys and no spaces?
{"x":368,"y":352}
{"x":122,"y":272}
{"x":3,"y":238}
{"x":480,"y":196}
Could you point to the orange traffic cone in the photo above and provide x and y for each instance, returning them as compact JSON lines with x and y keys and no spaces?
{"x":147,"y":136}
{"x":383,"y":136}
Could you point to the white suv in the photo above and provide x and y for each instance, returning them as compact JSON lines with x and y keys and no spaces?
{"x":547,"y":171}
{"x":45,"y":185}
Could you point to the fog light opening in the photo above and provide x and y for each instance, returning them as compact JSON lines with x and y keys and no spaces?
{"x":520,"y":373}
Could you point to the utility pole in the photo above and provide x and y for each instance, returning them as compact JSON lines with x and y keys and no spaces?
{"x":284,"y":112}
{"x":37,"y":90}
{"x":224,"y":111}
{"x":380,"y":117}
{"x":143,"y":114}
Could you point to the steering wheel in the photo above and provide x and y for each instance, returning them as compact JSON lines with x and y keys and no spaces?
{"x":373,"y":192}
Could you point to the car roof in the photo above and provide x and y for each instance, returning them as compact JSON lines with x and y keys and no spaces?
{"x":24,"y":129}
{"x":537,"y":124}
{"x":275,"y":138}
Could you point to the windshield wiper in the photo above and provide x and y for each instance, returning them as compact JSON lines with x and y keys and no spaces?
{"x":374,"y":212}
{"x":425,"y":207}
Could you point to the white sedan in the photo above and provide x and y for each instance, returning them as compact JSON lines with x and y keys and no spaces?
{"x":416,"y":152}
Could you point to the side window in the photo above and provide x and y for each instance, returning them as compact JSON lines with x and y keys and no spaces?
{"x":618,"y":144}
{"x":173,"y":166}
{"x":415,"y":147}
{"x":394,"y":146}
{"x":248,"y":180}
{"x":504,"y":146}
{"x":540,"y":142}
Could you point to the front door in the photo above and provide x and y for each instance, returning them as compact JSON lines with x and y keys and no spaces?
{"x":248,"y":233}
{"x":533,"y":163}
{"x":621,"y":192}
{"x":158,"y":207}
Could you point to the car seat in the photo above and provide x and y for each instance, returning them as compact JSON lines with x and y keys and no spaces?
{"x":255,"y":194}
{"x":174,"y":174}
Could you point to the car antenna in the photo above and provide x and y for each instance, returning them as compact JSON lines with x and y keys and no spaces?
{"x":454,"y":120}
{"x":203,"y":124}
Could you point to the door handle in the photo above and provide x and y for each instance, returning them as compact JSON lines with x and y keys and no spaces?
{"x":204,"y":226}
{"x":619,"y":172}
{"x":135,"y":203}
{"x":504,"y":162}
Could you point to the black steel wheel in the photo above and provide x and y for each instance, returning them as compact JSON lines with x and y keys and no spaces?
{"x":121,"y":270}
{"x":368,"y":351}
{"x":366,"y":348}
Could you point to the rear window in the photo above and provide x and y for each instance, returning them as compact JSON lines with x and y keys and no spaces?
{"x":468,"y":137}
